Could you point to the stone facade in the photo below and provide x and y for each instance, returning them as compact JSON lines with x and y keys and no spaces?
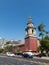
{"x":31,"y":41}
{"x":31,"y":44}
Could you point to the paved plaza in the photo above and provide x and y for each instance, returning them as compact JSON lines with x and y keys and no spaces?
{"x":4,"y":60}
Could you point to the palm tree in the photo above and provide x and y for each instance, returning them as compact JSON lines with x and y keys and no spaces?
{"x":41,"y":30}
{"x":47,"y":32}
{"x":45,"y":40}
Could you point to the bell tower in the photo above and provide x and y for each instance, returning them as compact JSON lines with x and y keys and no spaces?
{"x":30,"y":29}
{"x":30,"y":36}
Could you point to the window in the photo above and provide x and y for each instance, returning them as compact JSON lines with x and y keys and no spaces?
{"x":32,"y":31}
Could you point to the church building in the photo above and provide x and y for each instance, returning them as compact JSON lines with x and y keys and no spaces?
{"x":31,"y":41}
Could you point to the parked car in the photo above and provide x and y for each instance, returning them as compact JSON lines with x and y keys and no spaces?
{"x":27,"y":54}
{"x":34,"y":54}
{"x":10,"y":54}
{"x":18,"y":53}
{"x":41,"y":54}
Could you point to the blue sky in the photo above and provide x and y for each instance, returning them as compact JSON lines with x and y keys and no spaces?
{"x":15,"y":13}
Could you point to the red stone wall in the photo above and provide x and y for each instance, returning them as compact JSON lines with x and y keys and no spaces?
{"x":31,"y":44}
{"x":22,"y":48}
{"x":27,"y":44}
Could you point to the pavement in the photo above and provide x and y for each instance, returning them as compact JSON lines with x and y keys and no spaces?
{"x":19,"y":60}
{"x":46,"y":58}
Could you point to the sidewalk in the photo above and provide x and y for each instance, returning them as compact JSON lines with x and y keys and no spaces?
{"x":46,"y":58}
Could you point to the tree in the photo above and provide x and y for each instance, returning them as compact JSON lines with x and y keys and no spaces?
{"x":46,"y":37}
{"x":8,"y":48}
{"x":1,"y":50}
{"x":41,"y":30}
{"x":44,"y":41}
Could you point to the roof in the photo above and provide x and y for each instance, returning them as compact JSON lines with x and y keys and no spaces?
{"x":14,"y":43}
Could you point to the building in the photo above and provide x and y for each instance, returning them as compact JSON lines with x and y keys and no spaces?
{"x":15,"y":44}
{"x":31,"y":40}
{"x":2,"y":42}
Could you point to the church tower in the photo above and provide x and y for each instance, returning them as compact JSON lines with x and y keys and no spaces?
{"x":30,"y":36}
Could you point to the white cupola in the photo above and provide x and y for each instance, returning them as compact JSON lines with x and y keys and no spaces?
{"x":30,"y":29}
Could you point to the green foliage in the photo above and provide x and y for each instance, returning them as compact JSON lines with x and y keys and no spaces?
{"x":41,"y":30}
{"x":8,"y":48}
{"x":41,"y":27}
{"x":44,"y":44}
{"x":1,"y":50}
{"x":44,"y":41}
{"x":40,"y":48}
{"x":47,"y":37}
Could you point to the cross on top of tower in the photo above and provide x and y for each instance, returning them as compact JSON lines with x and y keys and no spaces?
{"x":29,"y":20}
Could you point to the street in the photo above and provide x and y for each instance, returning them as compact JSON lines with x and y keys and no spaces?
{"x":4,"y":60}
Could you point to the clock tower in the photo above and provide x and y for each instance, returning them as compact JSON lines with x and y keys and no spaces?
{"x":30,"y":36}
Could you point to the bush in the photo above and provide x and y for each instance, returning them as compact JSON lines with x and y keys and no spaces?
{"x":1,"y":50}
